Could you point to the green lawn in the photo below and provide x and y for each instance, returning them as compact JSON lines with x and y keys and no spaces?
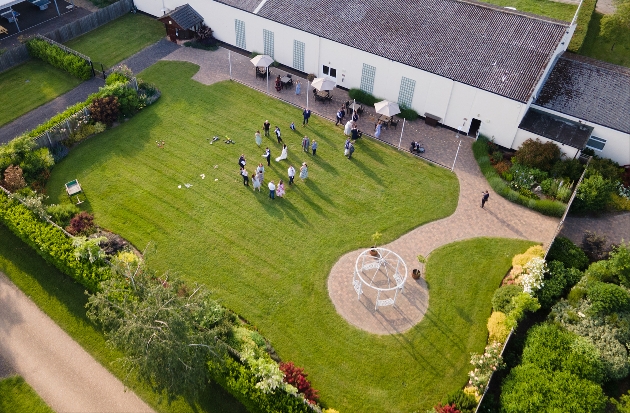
{"x":119,"y":39}
{"x":555,"y":10}
{"x":269,"y":260}
{"x":16,"y":396}
{"x":596,"y":47}
{"x":30,"y":85}
{"x":64,"y":301}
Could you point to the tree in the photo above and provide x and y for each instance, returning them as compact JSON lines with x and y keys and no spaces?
{"x":167,"y":331}
{"x":13,"y":178}
{"x":616,"y":25}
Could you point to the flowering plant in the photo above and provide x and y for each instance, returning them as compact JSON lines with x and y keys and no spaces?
{"x":484,"y":365}
{"x":533,"y":275}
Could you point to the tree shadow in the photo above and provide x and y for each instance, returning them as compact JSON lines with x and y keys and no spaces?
{"x":367,"y":171}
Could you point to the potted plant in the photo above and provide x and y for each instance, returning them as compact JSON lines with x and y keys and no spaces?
{"x":419,"y":272}
{"x":376,"y":237}
{"x":310,"y":77}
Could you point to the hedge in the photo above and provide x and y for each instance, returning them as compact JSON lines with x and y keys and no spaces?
{"x":583,"y":20}
{"x":369,"y":100}
{"x":240,"y":382}
{"x":57,"y":57}
{"x":544,"y":206}
{"x":49,"y":242}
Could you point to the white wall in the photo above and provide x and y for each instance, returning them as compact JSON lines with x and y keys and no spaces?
{"x":522,"y":135}
{"x":617,"y":145}
{"x":449,"y":100}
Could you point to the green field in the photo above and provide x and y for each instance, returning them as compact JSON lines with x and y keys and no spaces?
{"x":548,"y":8}
{"x":16,"y":396}
{"x":119,"y":39}
{"x":269,"y":260}
{"x":594,"y":46}
{"x":29,"y":85}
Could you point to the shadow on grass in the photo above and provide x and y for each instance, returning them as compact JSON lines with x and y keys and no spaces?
{"x":367,"y":171}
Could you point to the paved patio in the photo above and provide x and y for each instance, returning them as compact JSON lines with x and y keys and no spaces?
{"x":500,"y":218}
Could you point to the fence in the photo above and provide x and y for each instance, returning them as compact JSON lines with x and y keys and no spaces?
{"x":62,"y":47}
{"x":64,"y":129}
{"x":19,"y":54}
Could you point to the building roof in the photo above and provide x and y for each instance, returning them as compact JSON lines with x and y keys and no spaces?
{"x":588,"y":89}
{"x":556,"y":128}
{"x":185,"y":16}
{"x":488,"y":47}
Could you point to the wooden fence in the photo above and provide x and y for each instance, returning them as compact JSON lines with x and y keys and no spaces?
{"x":19,"y":54}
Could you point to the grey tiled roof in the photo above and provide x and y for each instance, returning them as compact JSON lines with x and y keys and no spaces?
{"x":480,"y":45}
{"x":185,"y":16}
{"x":556,"y":128}
{"x":247,"y":5}
{"x":588,"y":89}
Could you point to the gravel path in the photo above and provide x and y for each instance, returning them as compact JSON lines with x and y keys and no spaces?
{"x":500,"y":218}
{"x":64,"y":375}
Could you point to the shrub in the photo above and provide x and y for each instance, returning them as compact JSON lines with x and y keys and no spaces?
{"x":61,"y":214}
{"x":535,"y":251}
{"x":13,"y":178}
{"x":619,"y":263}
{"x":584,"y":361}
{"x":530,"y":389}
{"x":464,"y":402}
{"x":128,"y":100}
{"x":59,"y":58}
{"x":547,"y":346}
{"x":521,"y":303}
{"x":105,"y":110}
{"x":594,"y":246}
{"x":605,"y":167}
{"x":558,"y":281}
{"x":363,"y":97}
{"x":502,"y":298}
{"x":568,"y":168}
{"x":296,"y":377}
{"x":623,"y":405}
{"x":484,"y":365}
{"x":502,"y":168}
{"x":116,"y":78}
{"x":564,"y":192}
{"x":607,"y":298}
{"x":536,"y":154}
{"x":88,"y":249}
{"x":497,"y":330}
{"x":447,"y":408}
{"x":583,"y":20}
{"x":409,"y":114}
{"x":565,"y":251}
{"x":593,"y":194}
{"x":81,"y":224}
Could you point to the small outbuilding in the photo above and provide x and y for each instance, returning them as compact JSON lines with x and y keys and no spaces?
{"x":181,"y":23}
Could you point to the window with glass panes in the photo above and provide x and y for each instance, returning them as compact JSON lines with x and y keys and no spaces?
{"x":298,"y":55}
{"x":596,"y":143}
{"x":239,"y":27}
{"x":268,"y":42}
{"x":405,"y":95}
{"x":367,"y":78}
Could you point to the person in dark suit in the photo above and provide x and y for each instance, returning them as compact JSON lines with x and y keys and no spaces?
{"x":241,"y":161}
{"x":484,"y":198}
{"x":267,"y":155}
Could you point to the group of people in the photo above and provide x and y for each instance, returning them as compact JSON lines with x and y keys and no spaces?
{"x":307,"y":144}
{"x":416,"y":147}
{"x":351,"y":129}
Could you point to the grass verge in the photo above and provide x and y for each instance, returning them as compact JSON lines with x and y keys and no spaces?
{"x":596,"y":47}
{"x":64,"y":301}
{"x":19,"y":397}
{"x":555,"y":10}
{"x":119,"y":39}
{"x":30,"y":85}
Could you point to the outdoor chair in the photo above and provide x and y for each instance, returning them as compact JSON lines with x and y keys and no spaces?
{"x":74,"y":188}
{"x":394,"y":123}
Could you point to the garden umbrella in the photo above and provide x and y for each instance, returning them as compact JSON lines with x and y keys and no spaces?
{"x":323,"y":83}
{"x":263,"y":60}
{"x":387,"y":108}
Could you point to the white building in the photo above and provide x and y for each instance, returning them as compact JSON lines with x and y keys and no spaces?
{"x":475,"y":66}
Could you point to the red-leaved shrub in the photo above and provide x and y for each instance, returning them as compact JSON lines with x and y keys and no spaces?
{"x":447,"y":408}
{"x":81,"y":224}
{"x":296,"y":377}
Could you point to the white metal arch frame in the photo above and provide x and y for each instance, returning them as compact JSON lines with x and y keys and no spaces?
{"x":384,"y":268}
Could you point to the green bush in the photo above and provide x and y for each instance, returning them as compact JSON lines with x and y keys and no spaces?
{"x":538,"y":155}
{"x":408,"y":114}
{"x":464,"y":402}
{"x":565,"y":251}
{"x":620,"y":263}
{"x":521,"y":304}
{"x":20,"y":152}
{"x":584,"y":361}
{"x":583,"y":19}
{"x":607,"y":168}
{"x":49,"y":242}
{"x":607,"y":298}
{"x":557,"y":283}
{"x":116,"y":77}
{"x":547,"y":346}
{"x":128,"y":101}
{"x":502,"y":298}
{"x":593,"y":194}
{"x":61,"y":214}
{"x":363,"y":97}
{"x":530,"y":389}
{"x":59,"y":58}
{"x":568,"y":168}
{"x":240,"y":382}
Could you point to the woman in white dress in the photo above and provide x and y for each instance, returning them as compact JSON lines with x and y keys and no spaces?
{"x":283,"y":155}
{"x":348,"y":128}
{"x":255,"y":182}
{"x":304,"y":171}
{"x":258,"y":138}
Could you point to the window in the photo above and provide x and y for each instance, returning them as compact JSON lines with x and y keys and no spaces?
{"x":325,"y":69}
{"x":333,"y":72}
{"x":268,"y":42}
{"x":596,"y":143}
{"x":405,"y":95}
{"x":298,"y":55}
{"x":239,"y":27}
{"x":367,"y":78}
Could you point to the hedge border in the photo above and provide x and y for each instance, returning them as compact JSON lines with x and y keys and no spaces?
{"x":544,"y":206}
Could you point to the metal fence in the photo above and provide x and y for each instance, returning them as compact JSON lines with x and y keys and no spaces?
{"x":19,"y":54}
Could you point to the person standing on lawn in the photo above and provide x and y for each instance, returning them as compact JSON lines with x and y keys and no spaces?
{"x":304,"y":171}
{"x":306,"y":114}
{"x":267,"y":155}
{"x":256,"y":182}
{"x":245,"y":177}
{"x":272,"y":190}
{"x":277,"y":131}
{"x":306,"y":144}
{"x":241,"y":161}
{"x":484,"y":198}
{"x":291,"y":172}
{"x":280,"y":189}
{"x":314,"y":146}
{"x":266,"y":127}
{"x":258,"y":138}
{"x":339,"y":117}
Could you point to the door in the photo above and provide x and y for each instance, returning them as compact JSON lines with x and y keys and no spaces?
{"x":172,"y":33}
{"x":329,"y":71}
{"x":475,"y":124}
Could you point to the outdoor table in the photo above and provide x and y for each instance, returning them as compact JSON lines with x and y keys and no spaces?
{"x":385,"y":119}
{"x":323,"y":95}
{"x":354,"y":106}
{"x":10,"y":15}
{"x":285,"y":81}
